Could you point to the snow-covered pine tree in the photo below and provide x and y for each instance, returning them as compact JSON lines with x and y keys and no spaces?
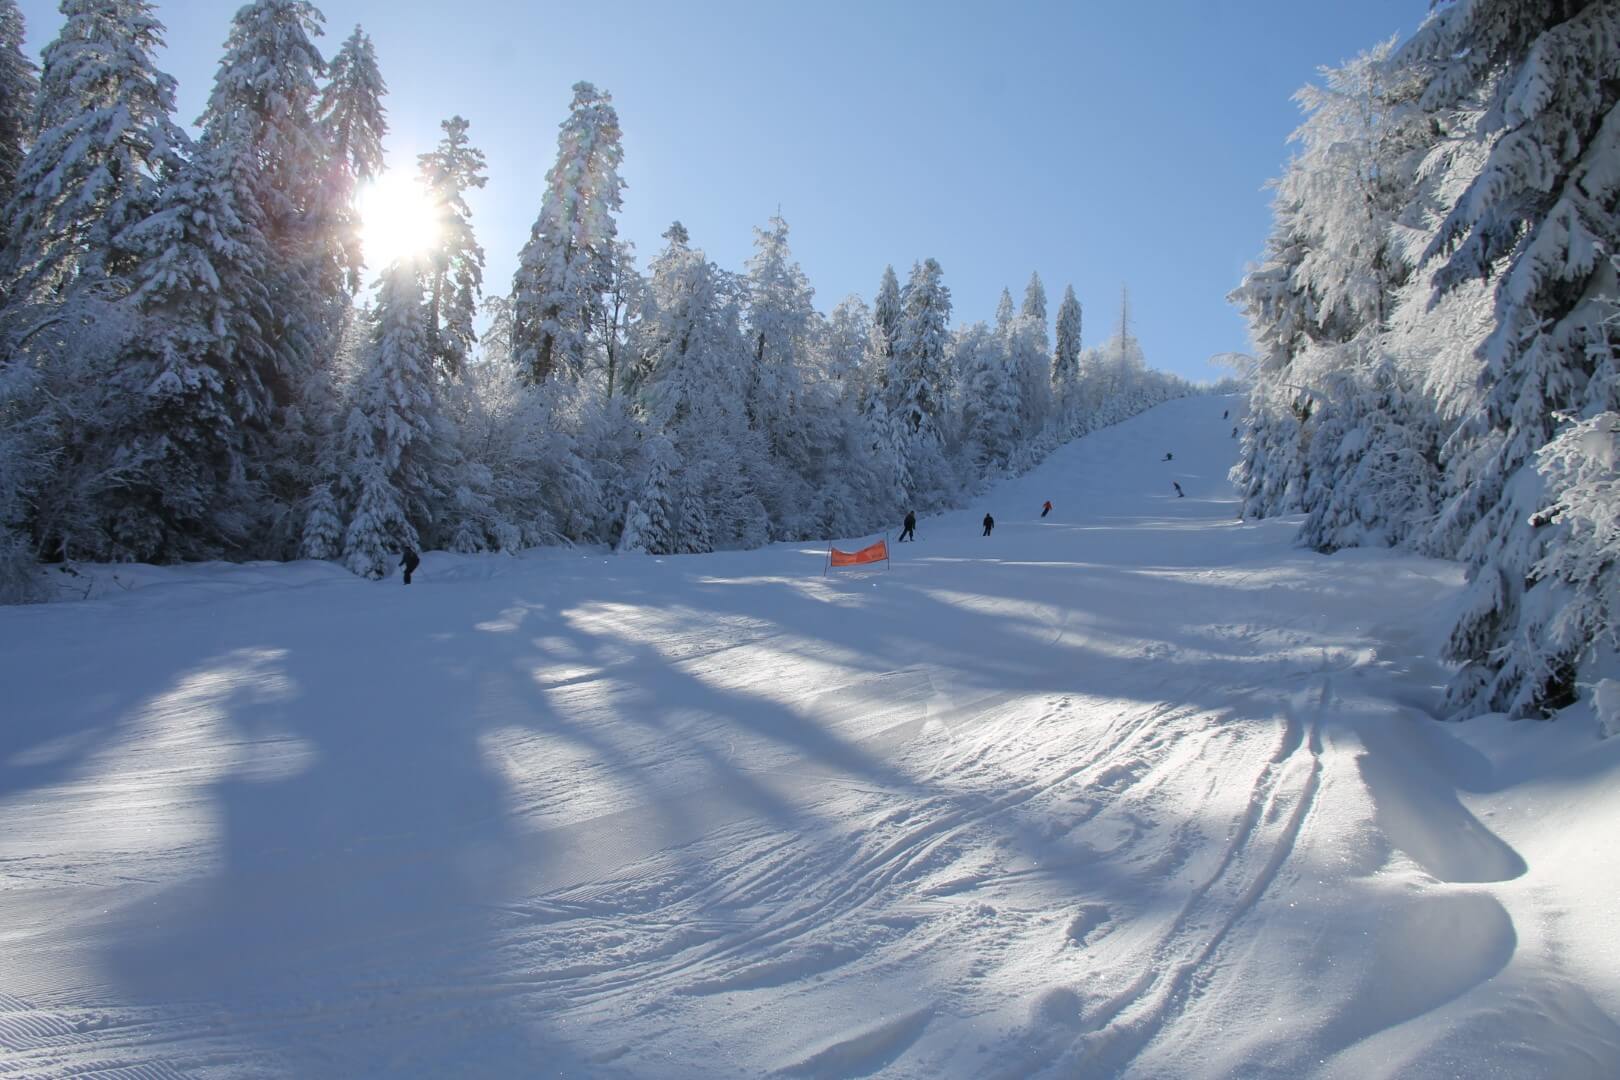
{"x":540,"y":485}
{"x":263,"y":104}
{"x":1066,"y":358}
{"x":387,"y":488}
{"x":990,"y":400}
{"x":351,"y":116}
{"x":844,"y":346}
{"x":692,"y":368}
{"x":1572,"y":609}
{"x":620,"y":309}
{"x":20,"y":467}
{"x":455,"y":266}
{"x":566,"y":267}
{"x":106,"y":140}
{"x":1539,"y":220}
{"x":191,"y":377}
{"x":24,"y":467}
{"x":611,"y":440}
{"x":1377,"y":448}
{"x":1320,"y":304}
{"x":59,"y":398}
{"x":781,"y":322}
{"x":260,"y":122}
{"x":688,"y":352}
{"x":1031,"y":352}
{"x":19,"y":85}
{"x":655,"y":531}
{"x":1034,"y":306}
{"x":917,"y":383}
{"x":886,"y":316}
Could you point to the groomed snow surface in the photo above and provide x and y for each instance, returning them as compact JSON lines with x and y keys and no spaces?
{"x":1134,"y":790}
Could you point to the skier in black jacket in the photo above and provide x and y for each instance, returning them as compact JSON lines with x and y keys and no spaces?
{"x":410,"y":561}
{"x":989,"y":523}
{"x":909,"y":532}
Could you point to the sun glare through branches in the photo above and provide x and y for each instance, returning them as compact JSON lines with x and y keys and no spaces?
{"x":397,"y":220}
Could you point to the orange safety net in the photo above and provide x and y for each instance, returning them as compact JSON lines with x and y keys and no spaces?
{"x":878,"y":552}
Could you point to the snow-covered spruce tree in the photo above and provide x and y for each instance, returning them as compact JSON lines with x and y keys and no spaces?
{"x":263,"y":105}
{"x":352,"y":118}
{"x":19,"y":84}
{"x":191,"y":376}
{"x":1319,"y":303}
{"x":1030,"y":350}
{"x":885,"y":329}
{"x":654,"y":530}
{"x":106,"y":140}
{"x":857,"y":493}
{"x":844,"y":347}
{"x":990,"y":402}
{"x":620,"y":309}
{"x":1066,"y":361}
{"x":781,"y":325}
{"x":566,"y":267}
{"x":1572,"y":611}
{"x":611,"y":440}
{"x":23,"y":467}
{"x":690,"y":375}
{"x":61,"y":394}
{"x":1271,"y":464}
{"x":387,"y":487}
{"x":917,"y":384}
{"x":260,"y":120}
{"x":541,"y":489}
{"x":1379,"y":449}
{"x":1539,"y":220}
{"x":456,"y":263}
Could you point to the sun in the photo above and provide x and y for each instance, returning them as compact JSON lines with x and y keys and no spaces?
{"x":397,"y":220}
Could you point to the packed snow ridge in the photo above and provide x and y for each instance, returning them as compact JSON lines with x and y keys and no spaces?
{"x":1132,"y":789}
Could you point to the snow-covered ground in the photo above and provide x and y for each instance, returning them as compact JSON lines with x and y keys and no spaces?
{"x":1136,"y":789}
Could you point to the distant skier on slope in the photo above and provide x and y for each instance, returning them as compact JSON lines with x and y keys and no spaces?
{"x":1224,"y":413}
{"x":1167,"y":456}
{"x":1179,"y":493}
{"x":410,"y":561}
{"x":910,"y":530}
{"x":1046,"y":509}
{"x":989,"y":523}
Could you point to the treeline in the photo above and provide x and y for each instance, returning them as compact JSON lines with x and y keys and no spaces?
{"x":1437,"y":321}
{"x":186,"y":373}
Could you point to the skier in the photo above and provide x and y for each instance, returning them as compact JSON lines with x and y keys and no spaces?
{"x":410,"y":561}
{"x":1167,"y":456}
{"x":1234,"y":433}
{"x":1179,"y":493}
{"x":910,"y":530}
{"x":1224,"y":412}
{"x":989,"y":523}
{"x":1047,"y":509}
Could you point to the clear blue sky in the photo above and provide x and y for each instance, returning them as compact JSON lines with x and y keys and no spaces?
{"x":1100,"y":143}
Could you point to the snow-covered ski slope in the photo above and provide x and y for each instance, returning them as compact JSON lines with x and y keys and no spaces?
{"x":1135,"y":790}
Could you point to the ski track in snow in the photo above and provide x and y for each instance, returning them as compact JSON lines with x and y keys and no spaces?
{"x":1134,"y":790}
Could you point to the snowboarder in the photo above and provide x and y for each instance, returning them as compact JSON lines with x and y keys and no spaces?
{"x":1179,"y":493}
{"x":1167,"y":456}
{"x":410,"y":561}
{"x":1047,"y":509}
{"x":989,"y":523}
{"x":910,"y":530}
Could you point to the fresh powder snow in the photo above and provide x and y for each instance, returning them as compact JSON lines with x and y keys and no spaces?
{"x":1134,"y":789}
